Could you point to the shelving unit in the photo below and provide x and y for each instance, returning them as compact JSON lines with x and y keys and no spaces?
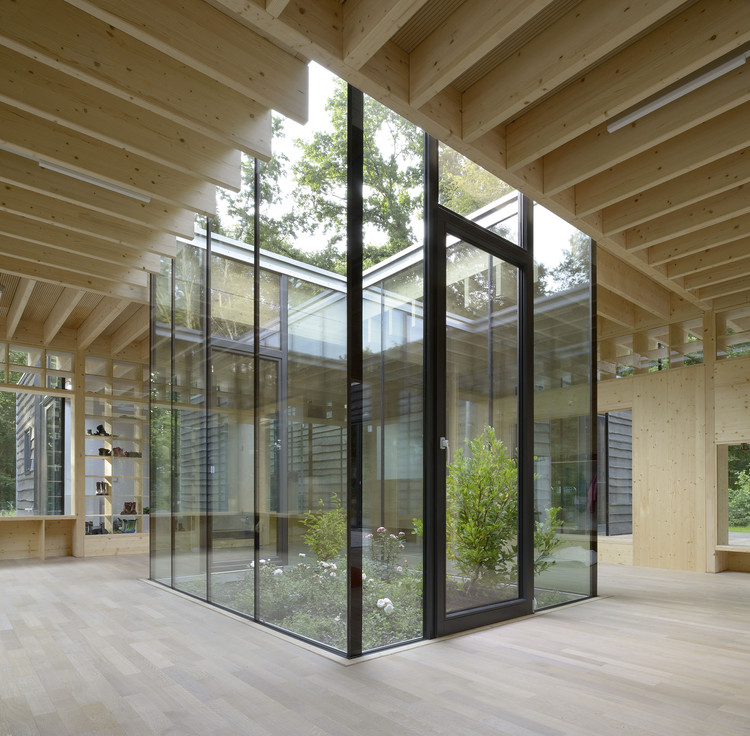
{"x":116,"y":450}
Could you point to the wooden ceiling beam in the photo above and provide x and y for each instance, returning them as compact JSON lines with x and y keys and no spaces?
{"x":18,"y":305}
{"x":73,"y":243}
{"x":63,"y":308}
{"x":587,"y":33}
{"x":52,"y":95}
{"x":31,"y":269}
{"x":597,"y":149}
{"x":276,"y":7}
{"x":46,"y":210}
{"x":135,"y":328}
{"x":709,"y":258}
{"x":734,"y":286}
{"x":69,"y":40}
{"x":714,"y":178}
{"x":690,"y":41}
{"x":194,"y":33}
{"x":27,"y":175}
{"x":45,"y":141}
{"x":102,"y":316}
{"x":715,"y":139}
{"x":635,"y":287}
{"x":690,"y":219}
{"x":615,"y":308}
{"x":45,"y":255}
{"x":724,"y":232}
{"x":469,"y":34}
{"x":369,"y":25}
{"x":720,"y":274}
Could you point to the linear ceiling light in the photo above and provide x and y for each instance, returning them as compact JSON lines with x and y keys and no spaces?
{"x":677,"y":92}
{"x":93,"y":180}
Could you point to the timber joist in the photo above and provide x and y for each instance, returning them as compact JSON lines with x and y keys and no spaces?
{"x":117,"y":123}
{"x":158,"y":99}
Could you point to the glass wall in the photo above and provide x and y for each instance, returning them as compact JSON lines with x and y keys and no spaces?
{"x":288,"y":378}
{"x":565,"y":486}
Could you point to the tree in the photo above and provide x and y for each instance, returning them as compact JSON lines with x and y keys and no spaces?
{"x":7,"y":451}
{"x":314,"y":208}
{"x":465,"y":186}
{"x":575,"y":268}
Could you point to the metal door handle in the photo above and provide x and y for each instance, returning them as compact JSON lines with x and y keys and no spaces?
{"x":445,"y":445}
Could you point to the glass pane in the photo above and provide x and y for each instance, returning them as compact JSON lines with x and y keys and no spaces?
{"x":160,"y":426}
{"x":393,"y":287}
{"x":482,"y":488}
{"x":565,"y":485}
{"x":189,"y":423}
{"x":231,"y":522}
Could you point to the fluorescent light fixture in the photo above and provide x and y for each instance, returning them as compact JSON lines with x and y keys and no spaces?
{"x":93,"y":180}
{"x":677,"y":92}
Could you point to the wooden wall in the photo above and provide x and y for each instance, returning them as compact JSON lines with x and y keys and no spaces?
{"x":679,"y":419}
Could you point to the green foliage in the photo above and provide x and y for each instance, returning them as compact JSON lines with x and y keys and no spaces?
{"x":7,"y":452}
{"x":482,"y":515}
{"x":386,"y":547}
{"x":326,"y":530}
{"x":310,"y":599}
{"x":739,"y":500}
{"x":575,"y":268}
{"x":482,"y":509}
{"x":465,"y":186}
{"x":546,"y":539}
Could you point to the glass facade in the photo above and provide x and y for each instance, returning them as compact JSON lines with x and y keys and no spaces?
{"x":288,"y":396}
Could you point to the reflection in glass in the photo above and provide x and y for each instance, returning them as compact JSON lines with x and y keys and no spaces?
{"x":482,"y":490}
{"x":189,"y":423}
{"x":565,"y":485}
{"x":160,"y":426}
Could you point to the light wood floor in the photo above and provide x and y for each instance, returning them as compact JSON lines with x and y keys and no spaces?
{"x":86,"y":647}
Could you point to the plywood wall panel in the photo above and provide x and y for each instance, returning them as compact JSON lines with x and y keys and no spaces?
{"x":732,"y":400}
{"x":669,"y":469}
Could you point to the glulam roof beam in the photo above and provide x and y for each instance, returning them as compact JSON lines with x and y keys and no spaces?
{"x":193,"y":33}
{"x":464,"y":39}
{"x":64,"y":306}
{"x":18,"y":305}
{"x":597,"y":149}
{"x":369,"y":25}
{"x":714,"y":139}
{"x":106,"y":312}
{"x":587,"y":33}
{"x":706,"y":181}
{"x":685,"y":44}
{"x":88,"y":49}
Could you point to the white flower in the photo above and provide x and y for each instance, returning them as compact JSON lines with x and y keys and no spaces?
{"x":252,"y":564}
{"x":333,"y":574}
{"x":402,"y":534}
{"x":393,"y":536}
{"x":389,"y":608}
{"x":325,"y":564}
{"x":333,"y":567}
{"x":381,"y":529}
{"x":278,"y":571}
{"x":302,"y":554}
{"x":381,"y":602}
{"x":364,"y":576}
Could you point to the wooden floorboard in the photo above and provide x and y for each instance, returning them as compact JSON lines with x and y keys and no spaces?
{"x":88,"y":647}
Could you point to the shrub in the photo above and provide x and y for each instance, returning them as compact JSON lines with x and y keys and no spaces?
{"x":326,"y":530}
{"x":739,"y":500}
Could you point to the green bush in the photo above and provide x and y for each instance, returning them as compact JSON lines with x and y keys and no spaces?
{"x":326,"y":530}
{"x":482,"y":516}
{"x":739,"y":500}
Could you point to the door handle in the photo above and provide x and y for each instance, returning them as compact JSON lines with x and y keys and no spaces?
{"x":445,"y":445}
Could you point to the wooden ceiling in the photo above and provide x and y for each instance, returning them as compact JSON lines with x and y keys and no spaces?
{"x":152,"y":102}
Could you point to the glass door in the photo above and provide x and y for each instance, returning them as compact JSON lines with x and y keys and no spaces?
{"x":482,"y":478}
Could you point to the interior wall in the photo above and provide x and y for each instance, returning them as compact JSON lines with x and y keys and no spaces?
{"x":669,"y":492}
{"x":674,"y":484}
